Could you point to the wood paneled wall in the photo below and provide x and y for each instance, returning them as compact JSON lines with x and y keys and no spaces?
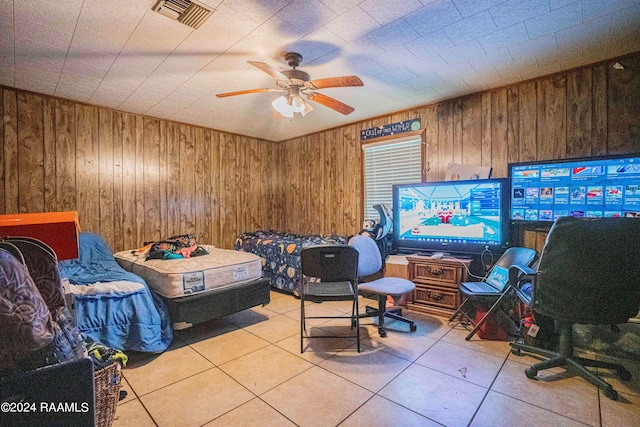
{"x":133,"y":178}
{"x":593,"y":110}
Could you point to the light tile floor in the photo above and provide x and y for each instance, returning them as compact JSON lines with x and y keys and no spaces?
{"x":246,"y":370}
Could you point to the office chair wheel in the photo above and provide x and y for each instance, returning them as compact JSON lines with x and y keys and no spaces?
{"x":610,"y":393}
{"x":353,"y":323}
{"x":531,"y":373}
{"x":382,"y":333}
{"x":413,"y":327}
{"x":516,"y":351}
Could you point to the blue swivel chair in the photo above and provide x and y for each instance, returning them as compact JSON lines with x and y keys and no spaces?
{"x":370,"y":262}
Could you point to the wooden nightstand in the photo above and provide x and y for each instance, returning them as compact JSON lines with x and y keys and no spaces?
{"x":437,"y":282}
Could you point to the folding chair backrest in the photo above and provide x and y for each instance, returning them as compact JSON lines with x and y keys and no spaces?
{"x":517,"y":256}
{"x":330,"y":263}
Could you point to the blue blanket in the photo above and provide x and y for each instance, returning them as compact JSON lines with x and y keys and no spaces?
{"x":122,"y":319}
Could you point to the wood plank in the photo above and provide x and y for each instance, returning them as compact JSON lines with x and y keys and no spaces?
{"x":316,"y":183}
{"x":202,"y":187}
{"x":329,"y":179}
{"x":187,"y":180}
{"x":118,"y":188}
{"x":457,"y":130}
{"x":164,"y":180}
{"x":10,"y":151}
{"x":472,"y":130}
{"x":129,"y":202}
{"x":173,"y":181}
{"x":256,"y":180}
{"x":292,"y":201}
{"x":513,"y":124}
{"x":528,"y":121}
{"x":499,"y":135}
{"x":552,"y":136}
{"x":139,"y":182}
{"x":268,"y":172}
{"x":485,"y":130}
{"x":338,"y":221}
{"x":30,"y":153}
{"x":215,"y":172}
{"x":228,"y":219}
{"x":65,"y":137}
{"x":579,"y":112}
{"x":445,"y":138}
{"x":354,"y":210}
{"x":242,"y":209}
{"x":305,"y":195}
{"x":87,"y":184}
{"x":430,"y":148}
{"x":105,"y":172}
{"x":49,"y":154}
{"x":151,"y":176}
{"x":623,"y":105}
{"x":600,"y":113}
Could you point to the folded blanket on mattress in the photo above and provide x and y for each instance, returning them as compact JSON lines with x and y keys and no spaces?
{"x":280,"y":253}
{"x":125,"y":317}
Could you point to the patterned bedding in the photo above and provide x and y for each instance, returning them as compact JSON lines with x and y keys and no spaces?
{"x":280,"y":254}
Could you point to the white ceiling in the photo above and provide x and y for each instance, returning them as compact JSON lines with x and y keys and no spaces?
{"x":121,"y":54}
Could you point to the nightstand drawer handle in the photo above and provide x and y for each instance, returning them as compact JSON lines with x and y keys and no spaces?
{"x":436,"y":271}
{"x":436,"y":296}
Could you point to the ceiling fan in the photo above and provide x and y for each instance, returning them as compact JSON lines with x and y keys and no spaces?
{"x":296,"y":84}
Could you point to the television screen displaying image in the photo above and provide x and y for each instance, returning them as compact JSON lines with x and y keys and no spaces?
{"x":543,"y":191}
{"x":451,"y":216}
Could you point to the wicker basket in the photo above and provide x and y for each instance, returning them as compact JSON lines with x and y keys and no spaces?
{"x":107,"y":391}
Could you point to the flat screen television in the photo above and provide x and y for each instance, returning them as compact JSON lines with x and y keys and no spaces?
{"x":543,"y":191}
{"x":460,"y":217}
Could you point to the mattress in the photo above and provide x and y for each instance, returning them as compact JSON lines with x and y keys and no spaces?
{"x":174,"y":278}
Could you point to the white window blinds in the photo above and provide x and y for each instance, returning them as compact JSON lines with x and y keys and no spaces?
{"x":386,"y":164}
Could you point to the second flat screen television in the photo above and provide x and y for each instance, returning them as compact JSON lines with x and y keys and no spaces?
{"x":543,"y":191}
{"x":451,"y":216}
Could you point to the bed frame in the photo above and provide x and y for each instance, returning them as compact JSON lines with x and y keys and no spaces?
{"x":193,"y":309}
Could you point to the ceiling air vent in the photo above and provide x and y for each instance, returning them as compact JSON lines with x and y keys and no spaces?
{"x":188,"y":12}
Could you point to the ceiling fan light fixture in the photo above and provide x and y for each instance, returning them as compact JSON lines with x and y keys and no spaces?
{"x":282,"y":106}
{"x":307,"y":108}
{"x":297,"y":104}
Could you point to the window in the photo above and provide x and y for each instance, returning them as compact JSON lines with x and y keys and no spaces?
{"x":397,"y":161}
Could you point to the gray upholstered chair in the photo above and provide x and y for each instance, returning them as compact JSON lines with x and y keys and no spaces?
{"x":589,"y":273}
{"x":370,"y":262}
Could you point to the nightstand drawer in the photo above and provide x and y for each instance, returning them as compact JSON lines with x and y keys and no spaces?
{"x":435,"y":296}
{"x":436,"y":274}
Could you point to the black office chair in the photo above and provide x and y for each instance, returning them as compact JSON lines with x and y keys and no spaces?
{"x":589,"y":273}
{"x":330,"y":273}
{"x":494,"y":288}
{"x":370,"y":262}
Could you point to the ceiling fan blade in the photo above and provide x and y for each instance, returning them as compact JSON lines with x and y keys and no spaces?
{"x":332,"y":103}
{"x":343,"y":81}
{"x":269,"y":70}
{"x":242,"y":92}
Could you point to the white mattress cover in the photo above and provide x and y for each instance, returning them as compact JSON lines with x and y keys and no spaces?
{"x":174,"y":278}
